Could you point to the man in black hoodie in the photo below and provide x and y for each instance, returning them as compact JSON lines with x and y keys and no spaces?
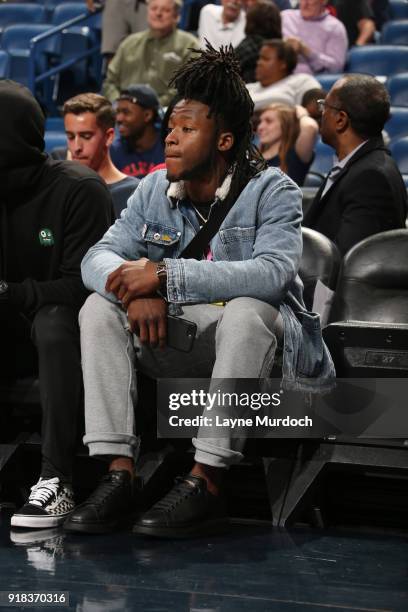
{"x":51,"y":212}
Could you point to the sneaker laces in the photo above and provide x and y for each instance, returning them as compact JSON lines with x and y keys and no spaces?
{"x":105,"y":489}
{"x":183,"y":489}
{"x":43,"y":491}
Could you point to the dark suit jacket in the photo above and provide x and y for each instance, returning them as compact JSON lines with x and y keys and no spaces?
{"x":368,"y":196}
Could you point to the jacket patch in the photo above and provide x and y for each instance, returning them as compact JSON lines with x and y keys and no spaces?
{"x":46,"y":237}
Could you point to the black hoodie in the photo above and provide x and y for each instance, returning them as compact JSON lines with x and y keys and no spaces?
{"x":51,"y":212}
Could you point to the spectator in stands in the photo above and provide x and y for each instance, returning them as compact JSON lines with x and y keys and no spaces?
{"x":309,"y":102}
{"x":319,"y":38}
{"x":139,"y":146}
{"x":222,"y":25}
{"x":153,"y":55}
{"x":263,"y":22}
{"x":275,"y":79}
{"x":358,"y":19}
{"x":381,"y":10}
{"x":287,"y":136}
{"x":51,"y":213}
{"x":209,"y":159}
{"x":90,"y":127}
{"x":364,"y":192}
{"x":119,"y":19}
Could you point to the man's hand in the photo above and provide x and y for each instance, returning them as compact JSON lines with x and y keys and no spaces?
{"x":91,"y":5}
{"x":148,"y":319}
{"x":133,"y":279}
{"x":298,"y":46}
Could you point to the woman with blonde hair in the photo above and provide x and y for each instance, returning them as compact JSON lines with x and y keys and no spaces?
{"x":287,"y":136}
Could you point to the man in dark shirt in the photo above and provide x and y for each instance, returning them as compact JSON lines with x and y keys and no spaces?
{"x":139,"y":147}
{"x":358,"y":19}
{"x":51,"y":213}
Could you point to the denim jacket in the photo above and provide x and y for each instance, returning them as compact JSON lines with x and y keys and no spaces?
{"x":256,"y":253}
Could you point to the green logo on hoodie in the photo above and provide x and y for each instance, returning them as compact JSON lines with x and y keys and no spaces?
{"x":46,"y":237}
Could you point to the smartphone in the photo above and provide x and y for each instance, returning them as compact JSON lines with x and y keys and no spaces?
{"x":180,"y":333}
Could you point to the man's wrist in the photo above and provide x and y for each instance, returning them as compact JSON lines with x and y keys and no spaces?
{"x":161,"y":273}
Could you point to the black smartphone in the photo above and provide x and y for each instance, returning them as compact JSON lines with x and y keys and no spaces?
{"x":180,"y":333}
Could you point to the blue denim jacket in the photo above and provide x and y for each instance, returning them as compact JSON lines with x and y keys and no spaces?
{"x":256,"y":253}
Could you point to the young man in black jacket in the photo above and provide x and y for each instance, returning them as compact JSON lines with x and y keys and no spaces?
{"x":51,"y":212}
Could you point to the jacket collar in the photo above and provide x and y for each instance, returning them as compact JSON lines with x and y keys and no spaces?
{"x":177,"y":191}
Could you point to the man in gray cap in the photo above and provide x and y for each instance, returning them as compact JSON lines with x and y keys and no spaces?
{"x":139,"y":146}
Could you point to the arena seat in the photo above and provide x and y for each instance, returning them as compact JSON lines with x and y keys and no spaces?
{"x":397,"y":86}
{"x":378,"y":60}
{"x":16,"y":41}
{"x":313,"y":179}
{"x":368,"y":339}
{"x":397,"y":125}
{"x":54,"y":139}
{"x":4,"y":64}
{"x":399,"y":151}
{"x":324,"y":158}
{"x":395,"y":33}
{"x":398,"y":9}
{"x":320,"y":261}
{"x":327,"y":80}
{"x":29,"y":12}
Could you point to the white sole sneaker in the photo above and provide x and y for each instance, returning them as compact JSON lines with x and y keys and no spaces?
{"x":38,"y":522}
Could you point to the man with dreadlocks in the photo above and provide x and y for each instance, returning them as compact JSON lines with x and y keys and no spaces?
{"x":141,"y":270}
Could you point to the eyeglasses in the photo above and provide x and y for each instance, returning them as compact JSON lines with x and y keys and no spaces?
{"x":322,"y":104}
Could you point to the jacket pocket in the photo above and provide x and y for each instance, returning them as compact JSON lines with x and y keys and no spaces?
{"x":161,"y":240}
{"x":238,"y":242}
{"x":311,"y":349}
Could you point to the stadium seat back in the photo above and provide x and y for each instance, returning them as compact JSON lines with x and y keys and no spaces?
{"x":320,"y":261}
{"x":378,"y":60}
{"x":395,"y":33}
{"x":399,"y":151}
{"x":397,"y":125}
{"x":397,"y":86}
{"x":29,"y":12}
{"x":398,"y":9}
{"x":324,"y":159}
{"x":4,"y":65}
{"x":54,"y":139}
{"x":328,"y":80}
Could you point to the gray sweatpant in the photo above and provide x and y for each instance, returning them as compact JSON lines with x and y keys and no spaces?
{"x":235,"y":341}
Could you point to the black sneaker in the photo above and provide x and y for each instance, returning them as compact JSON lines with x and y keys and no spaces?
{"x":49,"y":504}
{"x":107,"y":508}
{"x":189,"y":509}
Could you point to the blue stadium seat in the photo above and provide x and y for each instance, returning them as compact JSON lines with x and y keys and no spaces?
{"x":327,"y":80}
{"x":397,"y":125}
{"x":54,"y":124}
{"x":4,"y":65}
{"x":399,"y":151}
{"x":399,"y":9}
{"x":29,"y":12}
{"x":323,"y":160}
{"x":395,"y":33}
{"x":383,"y":60}
{"x":397,"y":86}
{"x":313,"y":179}
{"x":54,"y":139}
{"x":16,"y":41}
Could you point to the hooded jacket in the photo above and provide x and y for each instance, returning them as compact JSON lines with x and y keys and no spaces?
{"x":51,"y":212}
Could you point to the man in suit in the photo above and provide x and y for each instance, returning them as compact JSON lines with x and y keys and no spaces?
{"x":364,"y":192}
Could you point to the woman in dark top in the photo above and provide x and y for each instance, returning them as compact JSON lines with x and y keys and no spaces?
{"x":287,"y":136}
{"x":263,"y":21}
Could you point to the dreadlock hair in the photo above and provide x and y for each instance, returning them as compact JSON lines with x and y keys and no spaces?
{"x":213,"y":78}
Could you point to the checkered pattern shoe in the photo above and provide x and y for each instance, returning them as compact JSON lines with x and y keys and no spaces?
{"x":49,"y":504}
